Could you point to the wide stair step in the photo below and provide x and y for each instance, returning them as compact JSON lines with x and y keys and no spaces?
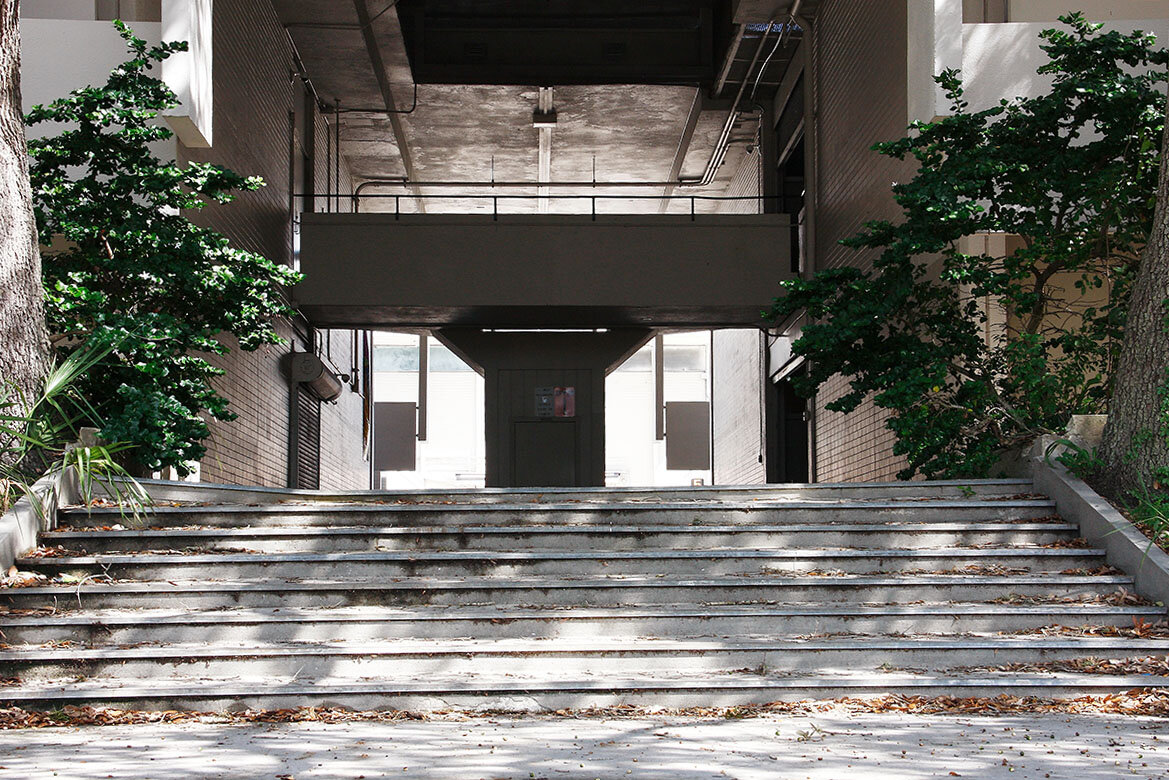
{"x":572,"y":598}
{"x":871,"y":535}
{"x":631,"y":656}
{"x":289,"y":624}
{"x":517,"y":693}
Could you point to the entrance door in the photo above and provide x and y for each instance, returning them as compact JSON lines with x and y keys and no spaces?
{"x":787,"y":433}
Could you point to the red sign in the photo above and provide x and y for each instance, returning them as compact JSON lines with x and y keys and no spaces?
{"x":564,"y":404}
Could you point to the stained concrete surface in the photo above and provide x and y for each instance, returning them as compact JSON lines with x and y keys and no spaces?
{"x":815,"y":746}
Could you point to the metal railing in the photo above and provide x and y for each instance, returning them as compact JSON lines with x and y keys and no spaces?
{"x":495,"y":199}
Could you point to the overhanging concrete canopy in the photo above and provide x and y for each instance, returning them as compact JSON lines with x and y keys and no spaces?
{"x":547,"y":271}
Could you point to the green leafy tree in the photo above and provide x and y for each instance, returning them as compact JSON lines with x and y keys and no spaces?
{"x":1072,"y":174}
{"x":136,"y":275}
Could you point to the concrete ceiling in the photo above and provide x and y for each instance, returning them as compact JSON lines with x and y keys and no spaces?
{"x":480,"y":133}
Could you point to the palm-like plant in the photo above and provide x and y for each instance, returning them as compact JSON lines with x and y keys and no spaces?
{"x":43,"y":436}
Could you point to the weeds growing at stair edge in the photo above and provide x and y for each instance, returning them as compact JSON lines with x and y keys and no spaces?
{"x":1137,"y":702}
{"x":1149,"y":510}
{"x":1157,"y":665}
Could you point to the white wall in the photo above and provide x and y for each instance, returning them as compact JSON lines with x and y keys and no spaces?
{"x":189,"y":73}
{"x":60,"y":55}
{"x":933,"y":44}
{"x":633,"y":455}
{"x":1097,"y":10}
{"x":1000,"y":60}
{"x":454,"y":452}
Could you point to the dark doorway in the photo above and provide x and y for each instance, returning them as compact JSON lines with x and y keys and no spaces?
{"x":787,"y":429}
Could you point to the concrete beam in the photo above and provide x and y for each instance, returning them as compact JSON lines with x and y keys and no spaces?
{"x":375,"y":270}
{"x":383,"y":80}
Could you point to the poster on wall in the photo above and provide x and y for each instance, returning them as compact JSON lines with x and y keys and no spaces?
{"x":564,"y":403}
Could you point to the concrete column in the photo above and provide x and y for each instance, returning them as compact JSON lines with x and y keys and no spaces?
{"x":544,"y":400}
{"x":935,"y":44}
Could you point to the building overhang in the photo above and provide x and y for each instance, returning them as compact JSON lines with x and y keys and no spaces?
{"x":540,"y":271}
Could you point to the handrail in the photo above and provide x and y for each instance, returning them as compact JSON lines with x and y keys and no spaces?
{"x":495,"y":198}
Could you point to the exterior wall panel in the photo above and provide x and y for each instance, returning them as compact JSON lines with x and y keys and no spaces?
{"x":737,"y":380}
{"x":738,"y":393}
{"x":862,"y":85}
{"x":253,"y":98}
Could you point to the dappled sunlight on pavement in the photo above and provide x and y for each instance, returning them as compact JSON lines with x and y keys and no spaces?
{"x":819,"y":746}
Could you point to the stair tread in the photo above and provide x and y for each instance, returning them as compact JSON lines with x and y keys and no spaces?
{"x":591,"y":506}
{"x":438,"y":612}
{"x":582,"y":581}
{"x":562,"y":646}
{"x":361,"y":637}
{"x":236,"y":687}
{"x":550,"y":528}
{"x":202,"y":558}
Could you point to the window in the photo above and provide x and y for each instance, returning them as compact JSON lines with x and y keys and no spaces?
{"x":442,"y":359}
{"x":395,"y":358}
{"x":684,"y":357}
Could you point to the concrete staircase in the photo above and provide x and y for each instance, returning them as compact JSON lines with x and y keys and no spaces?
{"x":571,"y":598}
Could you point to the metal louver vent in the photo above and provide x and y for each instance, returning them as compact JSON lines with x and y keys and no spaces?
{"x":308,"y":439}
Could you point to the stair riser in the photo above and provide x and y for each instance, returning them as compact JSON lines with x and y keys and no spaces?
{"x":600,"y":540}
{"x":348,"y":568}
{"x":518,"y":700}
{"x":562,"y":628}
{"x":486,"y":515}
{"x":820,"y":492}
{"x":615,"y":663}
{"x":816,"y":590}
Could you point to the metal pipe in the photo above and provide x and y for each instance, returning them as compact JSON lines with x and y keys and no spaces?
{"x":570,"y":196}
{"x":403,"y":182}
{"x":328,"y":165}
{"x":383,"y":110}
{"x":783,"y":36}
{"x":300,"y":69}
{"x":720,"y":148}
{"x":337,"y":148}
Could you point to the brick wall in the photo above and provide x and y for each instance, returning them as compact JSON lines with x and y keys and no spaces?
{"x":253,"y":98}
{"x":737,"y":382}
{"x":862,"y":83}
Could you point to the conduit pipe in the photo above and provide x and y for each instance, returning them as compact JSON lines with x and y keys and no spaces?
{"x":401,"y":181}
{"x":720,"y":148}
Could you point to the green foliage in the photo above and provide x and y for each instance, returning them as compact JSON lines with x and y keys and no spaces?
{"x":1073,"y":175}
{"x":137,"y":275}
{"x":1149,"y":509}
{"x":1081,"y":461}
{"x":39,"y":436}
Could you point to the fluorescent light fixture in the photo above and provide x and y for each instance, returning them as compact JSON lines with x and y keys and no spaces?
{"x":545,"y":330}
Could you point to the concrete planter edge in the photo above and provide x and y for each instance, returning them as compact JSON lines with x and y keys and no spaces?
{"x":1103,"y":526}
{"x":20,"y":525}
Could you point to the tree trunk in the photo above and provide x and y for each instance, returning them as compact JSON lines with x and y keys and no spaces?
{"x":1135,"y":450}
{"x":23,"y":347}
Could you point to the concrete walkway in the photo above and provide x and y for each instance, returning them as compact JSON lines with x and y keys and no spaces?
{"x":817,"y":746}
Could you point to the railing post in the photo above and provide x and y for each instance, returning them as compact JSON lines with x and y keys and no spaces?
{"x":495,"y":208}
{"x":593,"y":200}
{"x":691,"y":208}
{"x":397,"y":207}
